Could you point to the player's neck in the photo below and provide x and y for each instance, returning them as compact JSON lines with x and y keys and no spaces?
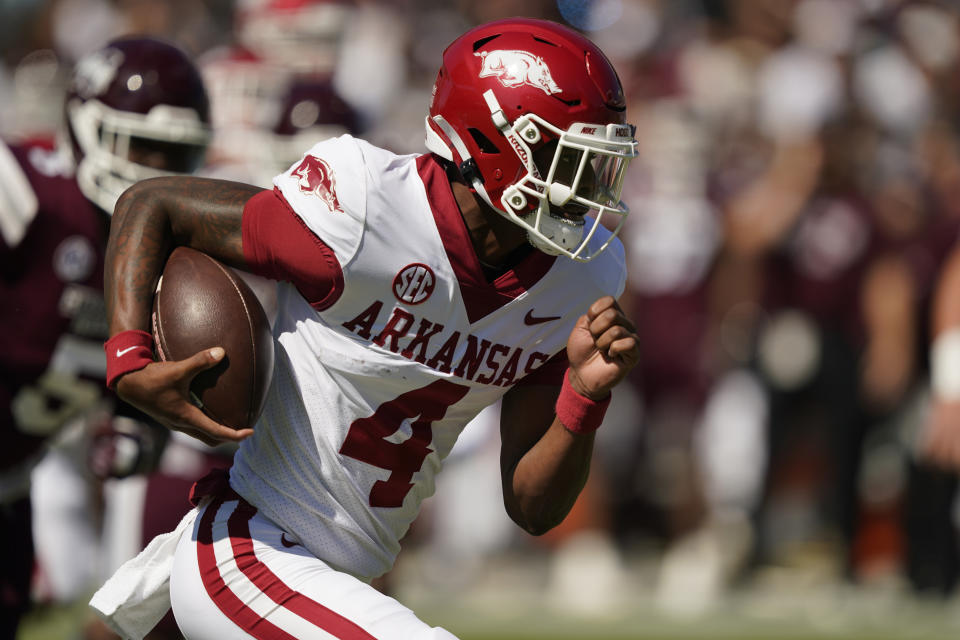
{"x":498,"y":243}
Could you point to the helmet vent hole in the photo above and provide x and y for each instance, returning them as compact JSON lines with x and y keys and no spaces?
{"x":483,"y":41}
{"x":552,"y":44}
{"x":483,"y":141}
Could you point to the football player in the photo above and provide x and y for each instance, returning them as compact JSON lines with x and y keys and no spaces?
{"x":134,"y":109}
{"x":416,"y":291}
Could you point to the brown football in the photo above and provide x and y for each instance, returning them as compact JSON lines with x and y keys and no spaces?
{"x":201,"y":303}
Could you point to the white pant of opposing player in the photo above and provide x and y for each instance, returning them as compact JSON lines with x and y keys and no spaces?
{"x":240,"y":576}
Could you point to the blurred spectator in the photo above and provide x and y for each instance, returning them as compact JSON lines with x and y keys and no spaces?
{"x":791,"y":212}
{"x":935,"y":563}
{"x":843,"y":241}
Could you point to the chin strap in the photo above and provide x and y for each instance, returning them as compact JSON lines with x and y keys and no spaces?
{"x":467,"y":164}
{"x":519,"y":144}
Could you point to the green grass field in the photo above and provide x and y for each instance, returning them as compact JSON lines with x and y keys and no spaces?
{"x":510,"y":599}
{"x":917,"y":622}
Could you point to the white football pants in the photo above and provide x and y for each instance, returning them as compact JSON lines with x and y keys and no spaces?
{"x":240,"y":576}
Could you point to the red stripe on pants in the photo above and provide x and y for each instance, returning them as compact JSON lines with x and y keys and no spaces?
{"x":231,"y":606}
{"x":268,"y":582}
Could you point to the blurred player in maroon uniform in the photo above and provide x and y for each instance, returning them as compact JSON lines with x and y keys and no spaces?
{"x":134,"y":109}
{"x":843,"y":289}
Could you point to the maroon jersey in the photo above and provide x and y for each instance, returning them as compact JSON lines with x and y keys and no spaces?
{"x":819,"y":267}
{"x":53,"y":321}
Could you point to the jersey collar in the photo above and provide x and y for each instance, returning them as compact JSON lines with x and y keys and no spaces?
{"x":479,"y":296}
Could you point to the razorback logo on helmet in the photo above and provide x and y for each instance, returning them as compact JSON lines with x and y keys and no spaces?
{"x":514,"y":68}
{"x":95,"y":72}
{"x":315,"y":177}
{"x":414,"y":283}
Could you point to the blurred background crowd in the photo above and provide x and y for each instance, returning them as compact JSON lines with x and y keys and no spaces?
{"x":797,"y":194}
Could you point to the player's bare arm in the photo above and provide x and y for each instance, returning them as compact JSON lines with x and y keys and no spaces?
{"x":150,"y":219}
{"x":544,"y":465}
{"x":940,"y":443}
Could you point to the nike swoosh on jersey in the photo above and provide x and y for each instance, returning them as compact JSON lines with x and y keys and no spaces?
{"x":531,"y":319}
{"x":287,"y":543}
{"x":120,"y":352}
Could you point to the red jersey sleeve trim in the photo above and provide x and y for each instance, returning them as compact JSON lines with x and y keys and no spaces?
{"x":277,"y":244}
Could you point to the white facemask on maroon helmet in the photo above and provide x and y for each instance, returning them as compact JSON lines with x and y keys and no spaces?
{"x":135,"y":109}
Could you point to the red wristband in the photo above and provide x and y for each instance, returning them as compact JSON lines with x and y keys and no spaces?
{"x":127,"y":351}
{"x":578,"y":413}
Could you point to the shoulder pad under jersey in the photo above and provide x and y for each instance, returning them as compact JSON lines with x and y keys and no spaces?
{"x":327,"y":189}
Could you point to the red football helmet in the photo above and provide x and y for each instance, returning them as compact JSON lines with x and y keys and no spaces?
{"x":534,"y":115}
{"x":136,"y":108}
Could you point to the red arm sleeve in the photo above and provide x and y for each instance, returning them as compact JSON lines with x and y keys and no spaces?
{"x":278,"y":245}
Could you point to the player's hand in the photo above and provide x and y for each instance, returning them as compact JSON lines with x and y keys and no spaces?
{"x":940,"y":444}
{"x":603,"y":347}
{"x":162,"y":390}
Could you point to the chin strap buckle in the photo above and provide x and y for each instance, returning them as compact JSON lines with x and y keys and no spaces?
{"x":470,"y":171}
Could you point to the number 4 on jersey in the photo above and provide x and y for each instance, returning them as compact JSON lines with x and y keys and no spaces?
{"x":367,"y":438}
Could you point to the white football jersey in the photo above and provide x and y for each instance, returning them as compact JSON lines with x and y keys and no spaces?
{"x":370,"y":393}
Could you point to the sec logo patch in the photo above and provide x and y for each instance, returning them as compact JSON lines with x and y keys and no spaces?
{"x":414,"y":283}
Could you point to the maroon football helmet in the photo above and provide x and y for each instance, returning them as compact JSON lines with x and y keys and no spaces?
{"x":311,"y":111}
{"x":534,"y":115}
{"x":136,"y":108}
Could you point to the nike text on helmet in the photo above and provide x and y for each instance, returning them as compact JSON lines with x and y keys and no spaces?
{"x":135,"y":109}
{"x":533,"y":114}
